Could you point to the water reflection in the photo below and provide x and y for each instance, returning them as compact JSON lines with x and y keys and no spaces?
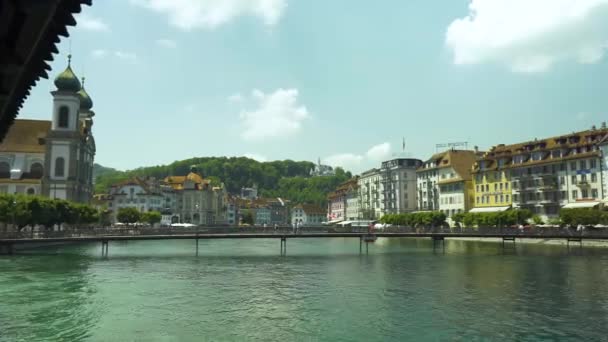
{"x":323,"y":289}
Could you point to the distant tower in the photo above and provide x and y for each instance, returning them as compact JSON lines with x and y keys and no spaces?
{"x":70,"y":147}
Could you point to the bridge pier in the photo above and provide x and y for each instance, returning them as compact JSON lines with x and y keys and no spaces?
{"x":197,"y":246}
{"x":436,"y":240}
{"x":579,"y":240}
{"x":283,"y":245}
{"x":508,"y":238}
{"x":104,"y":248}
{"x":7,"y":249}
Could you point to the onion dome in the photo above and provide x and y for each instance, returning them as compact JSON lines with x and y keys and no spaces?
{"x":85,"y":100}
{"x":67,"y":81}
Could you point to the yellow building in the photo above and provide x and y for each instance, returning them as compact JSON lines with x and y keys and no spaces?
{"x":491,"y":184}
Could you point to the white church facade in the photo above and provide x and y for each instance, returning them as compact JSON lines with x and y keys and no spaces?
{"x":53,"y":158}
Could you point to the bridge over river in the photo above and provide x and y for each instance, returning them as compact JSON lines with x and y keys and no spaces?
{"x":8,"y":240}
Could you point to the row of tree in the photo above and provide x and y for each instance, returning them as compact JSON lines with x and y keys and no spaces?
{"x":22,"y":211}
{"x":286,"y":179}
{"x":425,"y":219}
{"x":495,"y":219}
{"x":132,"y":215}
{"x":574,"y":217}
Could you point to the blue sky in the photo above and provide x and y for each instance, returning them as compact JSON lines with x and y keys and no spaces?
{"x":342,"y":80}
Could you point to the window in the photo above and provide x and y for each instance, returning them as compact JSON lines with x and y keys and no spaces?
{"x":594,"y":193}
{"x":574,"y":194}
{"x":583,"y":178}
{"x":59,"y":167}
{"x":562,"y":167}
{"x":5,"y":170}
{"x":562,"y":180}
{"x":495,"y":187}
{"x":36,"y":171}
{"x":502,"y":198}
{"x":31,"y":191}
{"x":593,"y":178}
{"x":507,"y":198}
{"x":477,"y":188}
{"x":495,"y":198}
{"x":477,"y":201}
{"x":573,"y":179}
{"x":583,"y":164}
{"x":585,"y":193}
{"x":64,"y":117}
{"x":515,"y":198}
{"x":501,"y":186}
{"x":573,"y":166}
{"x":592,"y":164}
{"x":487,"y":187}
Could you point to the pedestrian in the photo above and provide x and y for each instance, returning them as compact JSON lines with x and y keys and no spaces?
{"x":294,"y":227}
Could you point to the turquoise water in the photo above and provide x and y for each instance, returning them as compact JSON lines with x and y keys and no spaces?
{"x":323,"y":290}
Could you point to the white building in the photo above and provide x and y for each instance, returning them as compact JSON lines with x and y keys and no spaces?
{"x":322,"y":170}
{"x":398,"y":178}
{"x":427,"y":179}
{"x":307,"y":215}
{"x":53,"y":158}
{"x":370,"y":194}
{"x":143,"y":195}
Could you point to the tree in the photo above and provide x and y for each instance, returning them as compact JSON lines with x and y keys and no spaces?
{"x":151,"y":217}
{"x":128,"y":215}
{"x":247,"y":218}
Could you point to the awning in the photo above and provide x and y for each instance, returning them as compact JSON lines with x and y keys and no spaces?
{"x":489,"y":209}
{"x":335,"y":221}
{"x":576,"y":205}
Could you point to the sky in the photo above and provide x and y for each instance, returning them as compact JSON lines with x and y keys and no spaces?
{"x":345,"y":81}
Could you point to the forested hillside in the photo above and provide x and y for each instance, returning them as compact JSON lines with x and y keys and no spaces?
{"x":287,"y":179}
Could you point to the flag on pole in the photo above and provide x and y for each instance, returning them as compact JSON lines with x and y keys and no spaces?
{"x":403,"y":144}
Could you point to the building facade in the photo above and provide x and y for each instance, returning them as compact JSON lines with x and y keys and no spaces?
{"x":445,"y":184}
{"x":544,"y":175}
{"x":141,"y":194}
{"x":398,"y":178}
{"x":370,"y":194}
{"x":53,"y":158}
{"x":308,"y":215}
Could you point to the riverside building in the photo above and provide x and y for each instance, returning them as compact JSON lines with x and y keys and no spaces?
{"x":53,"y":158}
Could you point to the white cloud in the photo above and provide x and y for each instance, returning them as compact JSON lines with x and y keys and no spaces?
{"x":347,"y":161}
{"x":209,"y":14}
{"x":235,"y":98}
{"x":127,"y":56}
{"x":99,"y":53}
{"x":357,"y":162}
{"x":89,"y":23}
{"x":379,"y":152}
{"x":530,"y":35}
{"x":256,"y":156}
{"x":166,"y":43}
{"x":277,"y":115}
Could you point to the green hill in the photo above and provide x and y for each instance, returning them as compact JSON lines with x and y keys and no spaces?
{"x":286,"y":179}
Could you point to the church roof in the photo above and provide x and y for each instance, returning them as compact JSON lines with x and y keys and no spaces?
{"x":26,"y":136}
{"x":177,"y":182}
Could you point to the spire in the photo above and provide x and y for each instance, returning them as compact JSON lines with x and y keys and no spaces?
{"x":67,"y":81}
{"x":85,"y":100}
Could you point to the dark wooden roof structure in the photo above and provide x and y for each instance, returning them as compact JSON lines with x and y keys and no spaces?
{"x":29,"y":33}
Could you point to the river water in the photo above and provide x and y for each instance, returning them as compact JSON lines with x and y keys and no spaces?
{"x":323,"y":290}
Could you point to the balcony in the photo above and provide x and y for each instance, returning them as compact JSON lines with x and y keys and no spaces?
{"x":583,"y":184}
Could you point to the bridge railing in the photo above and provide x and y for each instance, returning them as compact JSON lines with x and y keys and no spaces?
{"x":284,"y":230}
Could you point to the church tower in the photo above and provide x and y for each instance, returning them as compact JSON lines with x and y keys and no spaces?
{"x":70,"y":147}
